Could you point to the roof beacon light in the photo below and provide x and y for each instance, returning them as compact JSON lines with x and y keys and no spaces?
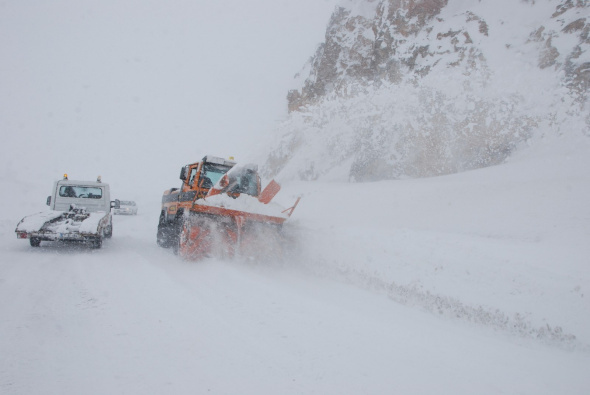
{"x":99,"y":179}
{"x":65,"y":176}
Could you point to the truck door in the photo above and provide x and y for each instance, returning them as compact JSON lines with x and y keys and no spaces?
{"x":189,"y":188}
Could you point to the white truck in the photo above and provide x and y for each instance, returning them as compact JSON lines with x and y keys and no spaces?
{"x":79,"y":211}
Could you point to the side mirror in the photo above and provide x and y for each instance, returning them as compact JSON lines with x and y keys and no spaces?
{"x":183,"y":174}
{"x":49,"y":200}
{"x":116,"y":204}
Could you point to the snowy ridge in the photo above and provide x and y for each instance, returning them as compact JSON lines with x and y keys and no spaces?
{"x":364,"y":9}
{"x":423,"y":88}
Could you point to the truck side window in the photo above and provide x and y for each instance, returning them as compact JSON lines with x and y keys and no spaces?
{"x":192,"y":177}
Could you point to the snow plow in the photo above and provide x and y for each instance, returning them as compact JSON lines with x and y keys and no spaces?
{"x":80,"y":211}
{"x":220,"y":210}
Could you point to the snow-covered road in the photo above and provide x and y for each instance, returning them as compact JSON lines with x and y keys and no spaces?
{"x":133,"y":318}
{"x":471,"y":283}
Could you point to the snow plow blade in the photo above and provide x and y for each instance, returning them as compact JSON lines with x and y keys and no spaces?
{"x":269,"y":192}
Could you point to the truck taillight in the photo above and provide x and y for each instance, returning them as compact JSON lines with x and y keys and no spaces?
{"x":22,"y":235}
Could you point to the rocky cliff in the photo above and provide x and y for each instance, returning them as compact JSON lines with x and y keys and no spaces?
{"x":413,"y":88}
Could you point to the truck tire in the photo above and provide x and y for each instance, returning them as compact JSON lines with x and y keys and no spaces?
{"x":109,"y":232}
{"x":168,"y":232}
{"x":96,"y":243}
{"x":175,"y":241}
{"x":177,"y":245}
{"x":175,"y":235}
{"x":35,"y":241}
{"x":163,"y":234}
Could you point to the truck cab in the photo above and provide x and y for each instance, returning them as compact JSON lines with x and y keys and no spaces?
{"x":92,"y":195}
{"x":197,"y":178}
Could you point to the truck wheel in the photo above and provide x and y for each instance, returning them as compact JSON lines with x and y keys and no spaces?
{"x":176,"y":234}
{"x":109,"y":232}
{"x":35,"y":241}
{"x":160,"y":236}
{"x":168,"y":232}
{"x":163,"y":236}
{"x":96,"y":243}
{"x":175,"y":241}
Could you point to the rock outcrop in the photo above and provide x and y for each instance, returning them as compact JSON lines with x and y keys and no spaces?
{"x":414,"y":88}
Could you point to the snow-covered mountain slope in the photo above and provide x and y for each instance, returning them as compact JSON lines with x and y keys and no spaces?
{"x":429,"y":87}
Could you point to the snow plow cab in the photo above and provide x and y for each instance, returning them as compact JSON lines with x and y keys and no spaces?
{"x":220,"y":209}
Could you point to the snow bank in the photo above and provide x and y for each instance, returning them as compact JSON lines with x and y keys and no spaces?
{"x":503,"y":247}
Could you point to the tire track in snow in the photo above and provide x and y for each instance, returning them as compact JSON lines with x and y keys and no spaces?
{"x":417,"y":297}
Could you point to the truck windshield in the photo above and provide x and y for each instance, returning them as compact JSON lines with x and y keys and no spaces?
{"x":211,"y":173}
{"x":75,"y":191}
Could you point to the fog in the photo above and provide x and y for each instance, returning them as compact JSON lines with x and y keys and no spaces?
{"x":132,"y":90}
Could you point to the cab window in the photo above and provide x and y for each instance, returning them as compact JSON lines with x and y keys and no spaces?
{"x":192,"y":177}
{"x":74,"y":191}
{"x":211,"y":173}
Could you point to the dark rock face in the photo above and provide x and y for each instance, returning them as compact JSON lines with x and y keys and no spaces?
{"x":405,"y":88}
{"x":367,"y":50}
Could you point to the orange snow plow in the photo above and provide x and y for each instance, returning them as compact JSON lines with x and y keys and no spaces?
{"x":221,"y":211}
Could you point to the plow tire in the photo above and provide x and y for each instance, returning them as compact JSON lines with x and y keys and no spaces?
{"x":167,"y":235}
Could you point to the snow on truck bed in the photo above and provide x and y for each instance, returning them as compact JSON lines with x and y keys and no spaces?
{"x":34,"y":223}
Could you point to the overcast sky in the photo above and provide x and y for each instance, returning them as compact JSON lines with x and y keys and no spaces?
{"x":114,"y":82}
